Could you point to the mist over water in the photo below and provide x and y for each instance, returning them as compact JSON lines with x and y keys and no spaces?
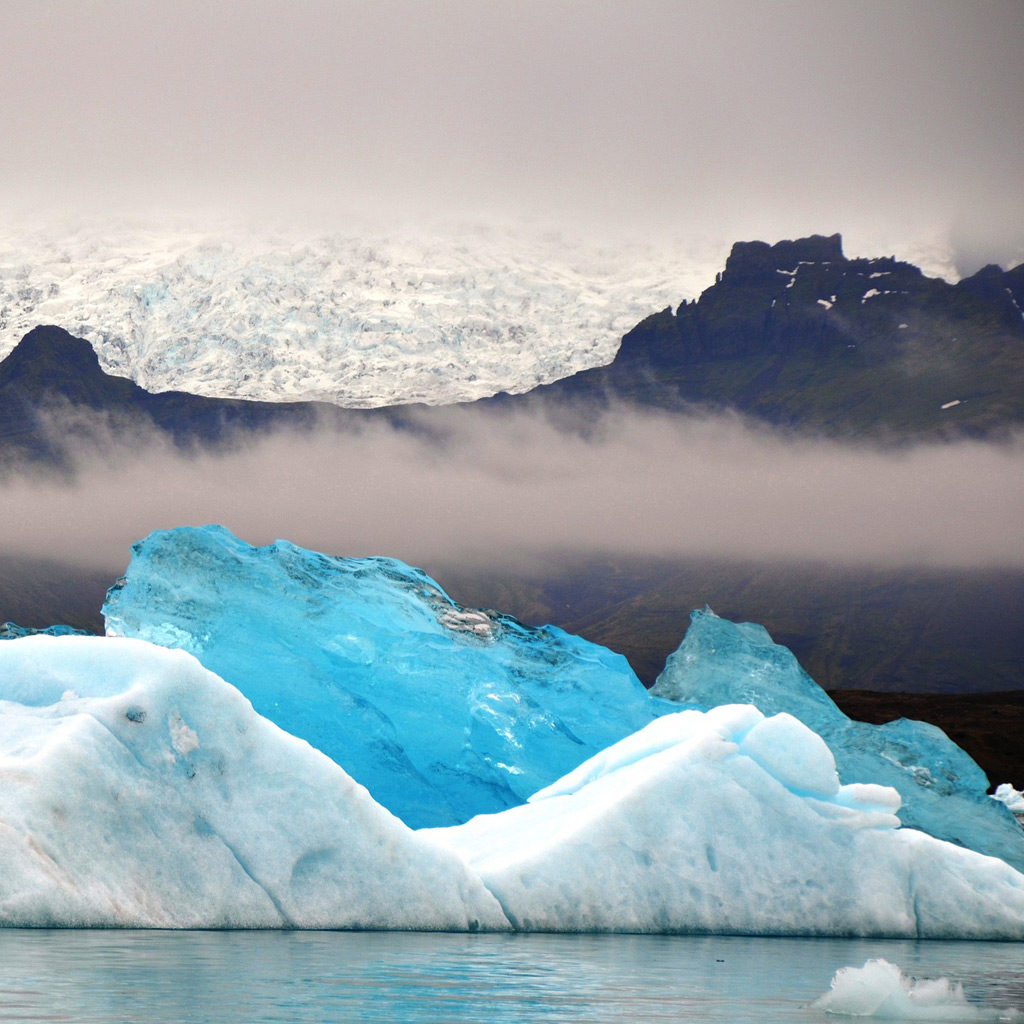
{"x":492,"y":490}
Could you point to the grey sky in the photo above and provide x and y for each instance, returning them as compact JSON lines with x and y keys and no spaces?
{"x":736,"y":119}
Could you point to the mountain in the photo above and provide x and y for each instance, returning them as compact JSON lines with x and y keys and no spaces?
{"x":794,"y":334}
{"x":800,"y":336}
{"x":51,"y":379}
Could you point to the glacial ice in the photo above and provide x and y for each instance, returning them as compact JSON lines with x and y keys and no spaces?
{"x":375,"y":315}
{"x":141,"y":790}
{"x":442,"y":712}
{"x":943,"y":790}
{"x":445,"y":712}
{"x":728,"y":821}
{"x":880,"y":990}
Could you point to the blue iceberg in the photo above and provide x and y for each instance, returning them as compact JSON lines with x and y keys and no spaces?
{"x":942,"y":788}
{"x":442,"y":712}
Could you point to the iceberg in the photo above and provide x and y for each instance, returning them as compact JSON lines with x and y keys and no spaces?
{"x":140,"y":790}
{"x":445,"y":712}
{"x":12,"y":631}
{"x":729,"y":821}
{"x":442,"y":712}
{"x":881,"y":990}
{"x":943,"y":790}
{"x":1012,"y":799}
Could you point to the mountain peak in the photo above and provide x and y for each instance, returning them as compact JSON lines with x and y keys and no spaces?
{"x":53,"y":353}
{"x":754,"y":259}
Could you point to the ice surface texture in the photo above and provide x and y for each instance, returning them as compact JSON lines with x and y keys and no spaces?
{"x":440,"y":711}
{"x":373,"y":317}
{"x":142,"y":790}
{"x":942,"y":788}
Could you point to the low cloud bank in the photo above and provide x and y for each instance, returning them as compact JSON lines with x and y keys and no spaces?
{"x":503,"y":490}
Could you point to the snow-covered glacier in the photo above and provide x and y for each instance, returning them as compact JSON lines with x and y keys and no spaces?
{"x":442,"y":712}
{"x":942,"y":789}
{"x":142,"y":790}
{"x":380,"y":314}
{"x":139,"y":789}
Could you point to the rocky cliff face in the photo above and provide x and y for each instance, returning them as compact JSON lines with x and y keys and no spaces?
{"x":797,"y":334}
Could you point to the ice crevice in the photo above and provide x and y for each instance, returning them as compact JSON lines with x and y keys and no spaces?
{"x":286,"y":919}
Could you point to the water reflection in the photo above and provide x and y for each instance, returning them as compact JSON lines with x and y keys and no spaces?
{"x":226,"y":977}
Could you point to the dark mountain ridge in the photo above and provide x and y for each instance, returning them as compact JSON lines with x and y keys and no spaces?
{"x":798,"y":335}
{"x":51,"y":378}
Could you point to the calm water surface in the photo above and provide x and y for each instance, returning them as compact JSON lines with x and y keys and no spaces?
{"x":227,"y":977}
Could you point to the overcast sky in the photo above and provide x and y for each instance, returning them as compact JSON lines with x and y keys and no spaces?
{"x":734,"y":119}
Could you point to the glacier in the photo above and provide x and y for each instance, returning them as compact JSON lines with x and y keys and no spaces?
{"x":943,"y":790}
{"x":442,"y":712}
{"x":141,"y":790}
{"x":381,"y":313}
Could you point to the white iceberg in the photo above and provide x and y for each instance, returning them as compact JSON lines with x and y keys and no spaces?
{"x":727,"y":821}
{"x":1013,"y":799}
{"x":881,"y":990}
{"x":140,"y":790}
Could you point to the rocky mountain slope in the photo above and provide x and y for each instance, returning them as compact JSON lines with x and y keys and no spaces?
{"x":800,"y":336}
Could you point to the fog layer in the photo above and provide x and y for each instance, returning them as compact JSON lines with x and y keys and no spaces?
{"x":503,"y":491}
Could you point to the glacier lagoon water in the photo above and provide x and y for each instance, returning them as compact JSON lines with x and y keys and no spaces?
{"x":228,"y":977}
